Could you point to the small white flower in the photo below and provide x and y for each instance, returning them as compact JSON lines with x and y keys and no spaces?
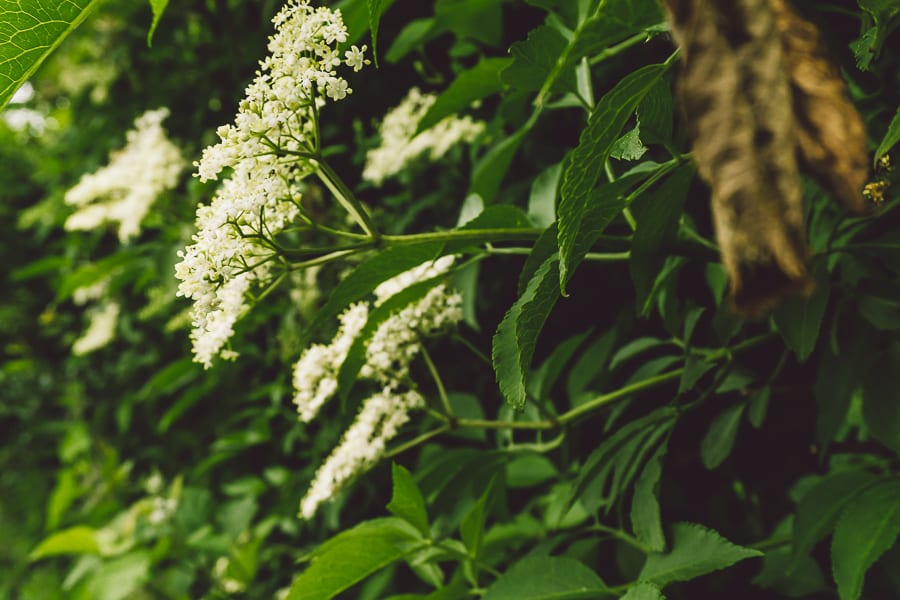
{"x":355,"y":57}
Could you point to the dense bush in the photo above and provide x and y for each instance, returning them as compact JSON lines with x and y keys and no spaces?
{"x":469,"y":234}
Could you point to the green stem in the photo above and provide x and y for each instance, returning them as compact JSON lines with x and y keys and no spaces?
{"x":420,"y":439}
{"x":588,"y":407}
{"x":507,"y":234}
{"x":590,"y":256}
{"x":346,"y":197}
{"x":622,"y":536}
{"x":438,"y":383}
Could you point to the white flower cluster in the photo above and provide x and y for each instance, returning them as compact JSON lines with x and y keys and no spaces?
{"x":363,"y":444}
{"x":399,"y":146}
{"x":394,"y":344}
{"x":274,"y":127}
{"x":123,"y":191}
{"x":100,"y":331}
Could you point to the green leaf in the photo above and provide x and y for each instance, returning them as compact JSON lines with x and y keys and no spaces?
{"x":629,"y":146}
{"x":645,"y":515}
{"x":636,"y":348}
{"x":654,"y":114}
{"x":542,"y":198}
{"x":837,"y":378}
{"x":471,"y":528}
{"x":535,"y":59}
{"x":547,"y":578}
{"x":74,"y":540}
{"x":643,"y":591}
{"x":351,"y":556}
{"x":880,"y":407}
{"x":29,"y":31}
{"x":543,"y":248}
{"x":481,"y":20}
{"x":480,"y":81}
{"x":375,"y":8}
{"x":614,"y":21}
{"x":119,"y":578}
{"x":489,"y":172}
{"x":614,"y":463}
{"x":819,"y":508}
{"x":366,"y":277}
{"x":603,"y":128}
{"x":799,"y":320}
{"x":891,"y":136}
{"x":719,"y":439}
{"x":696,"y":551}
{"x":529,"y":470}
{"x":413,"y":35}
{"x":867,"y":528}
{"x":406,"y":500}
{"x":516,"y":336}
{"x":158,"y":7}
{"x":883,"y":16}
{"x":657,"y":226}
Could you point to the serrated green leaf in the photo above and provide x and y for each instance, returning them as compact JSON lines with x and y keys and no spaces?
{"x":799,"y":320}
{"x":614,"y":21}
{"x":406,"y":499}
{"x":819,"y":508}
{"x":479,"y":82}
{"x":657,"y":215}
{"x":516,"y":336}
{"x":867,"y":528}
{"x":543,"y":248}
{"x":629,"y":146}
{"x":74,"y":540}
{"x":535,"y":59}
{"x":547,"y":578}
{"x":366,"y":277}
{"x":880,"y":407}
{"x":883,"y":17}
{"x":603,"y":128}
{"x":719,"y":438}
{"x":654,"y":114}
{"x":643,"y":591}
{"x":891,"y":136}
{"x":351,"y":556}
{"x":29,"y":31}
{"x":696,"y":551}
{"x":158,"y":7}
{"x":645,"y":515}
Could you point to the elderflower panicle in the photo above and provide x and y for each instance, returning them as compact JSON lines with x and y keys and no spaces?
{"x":315,"y":374}
{"x":123,"y":191}
{"x":397,"y":340}
{"x":362,"y":446}
{"x":266,"y":151}
{"x":399,"y":144}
